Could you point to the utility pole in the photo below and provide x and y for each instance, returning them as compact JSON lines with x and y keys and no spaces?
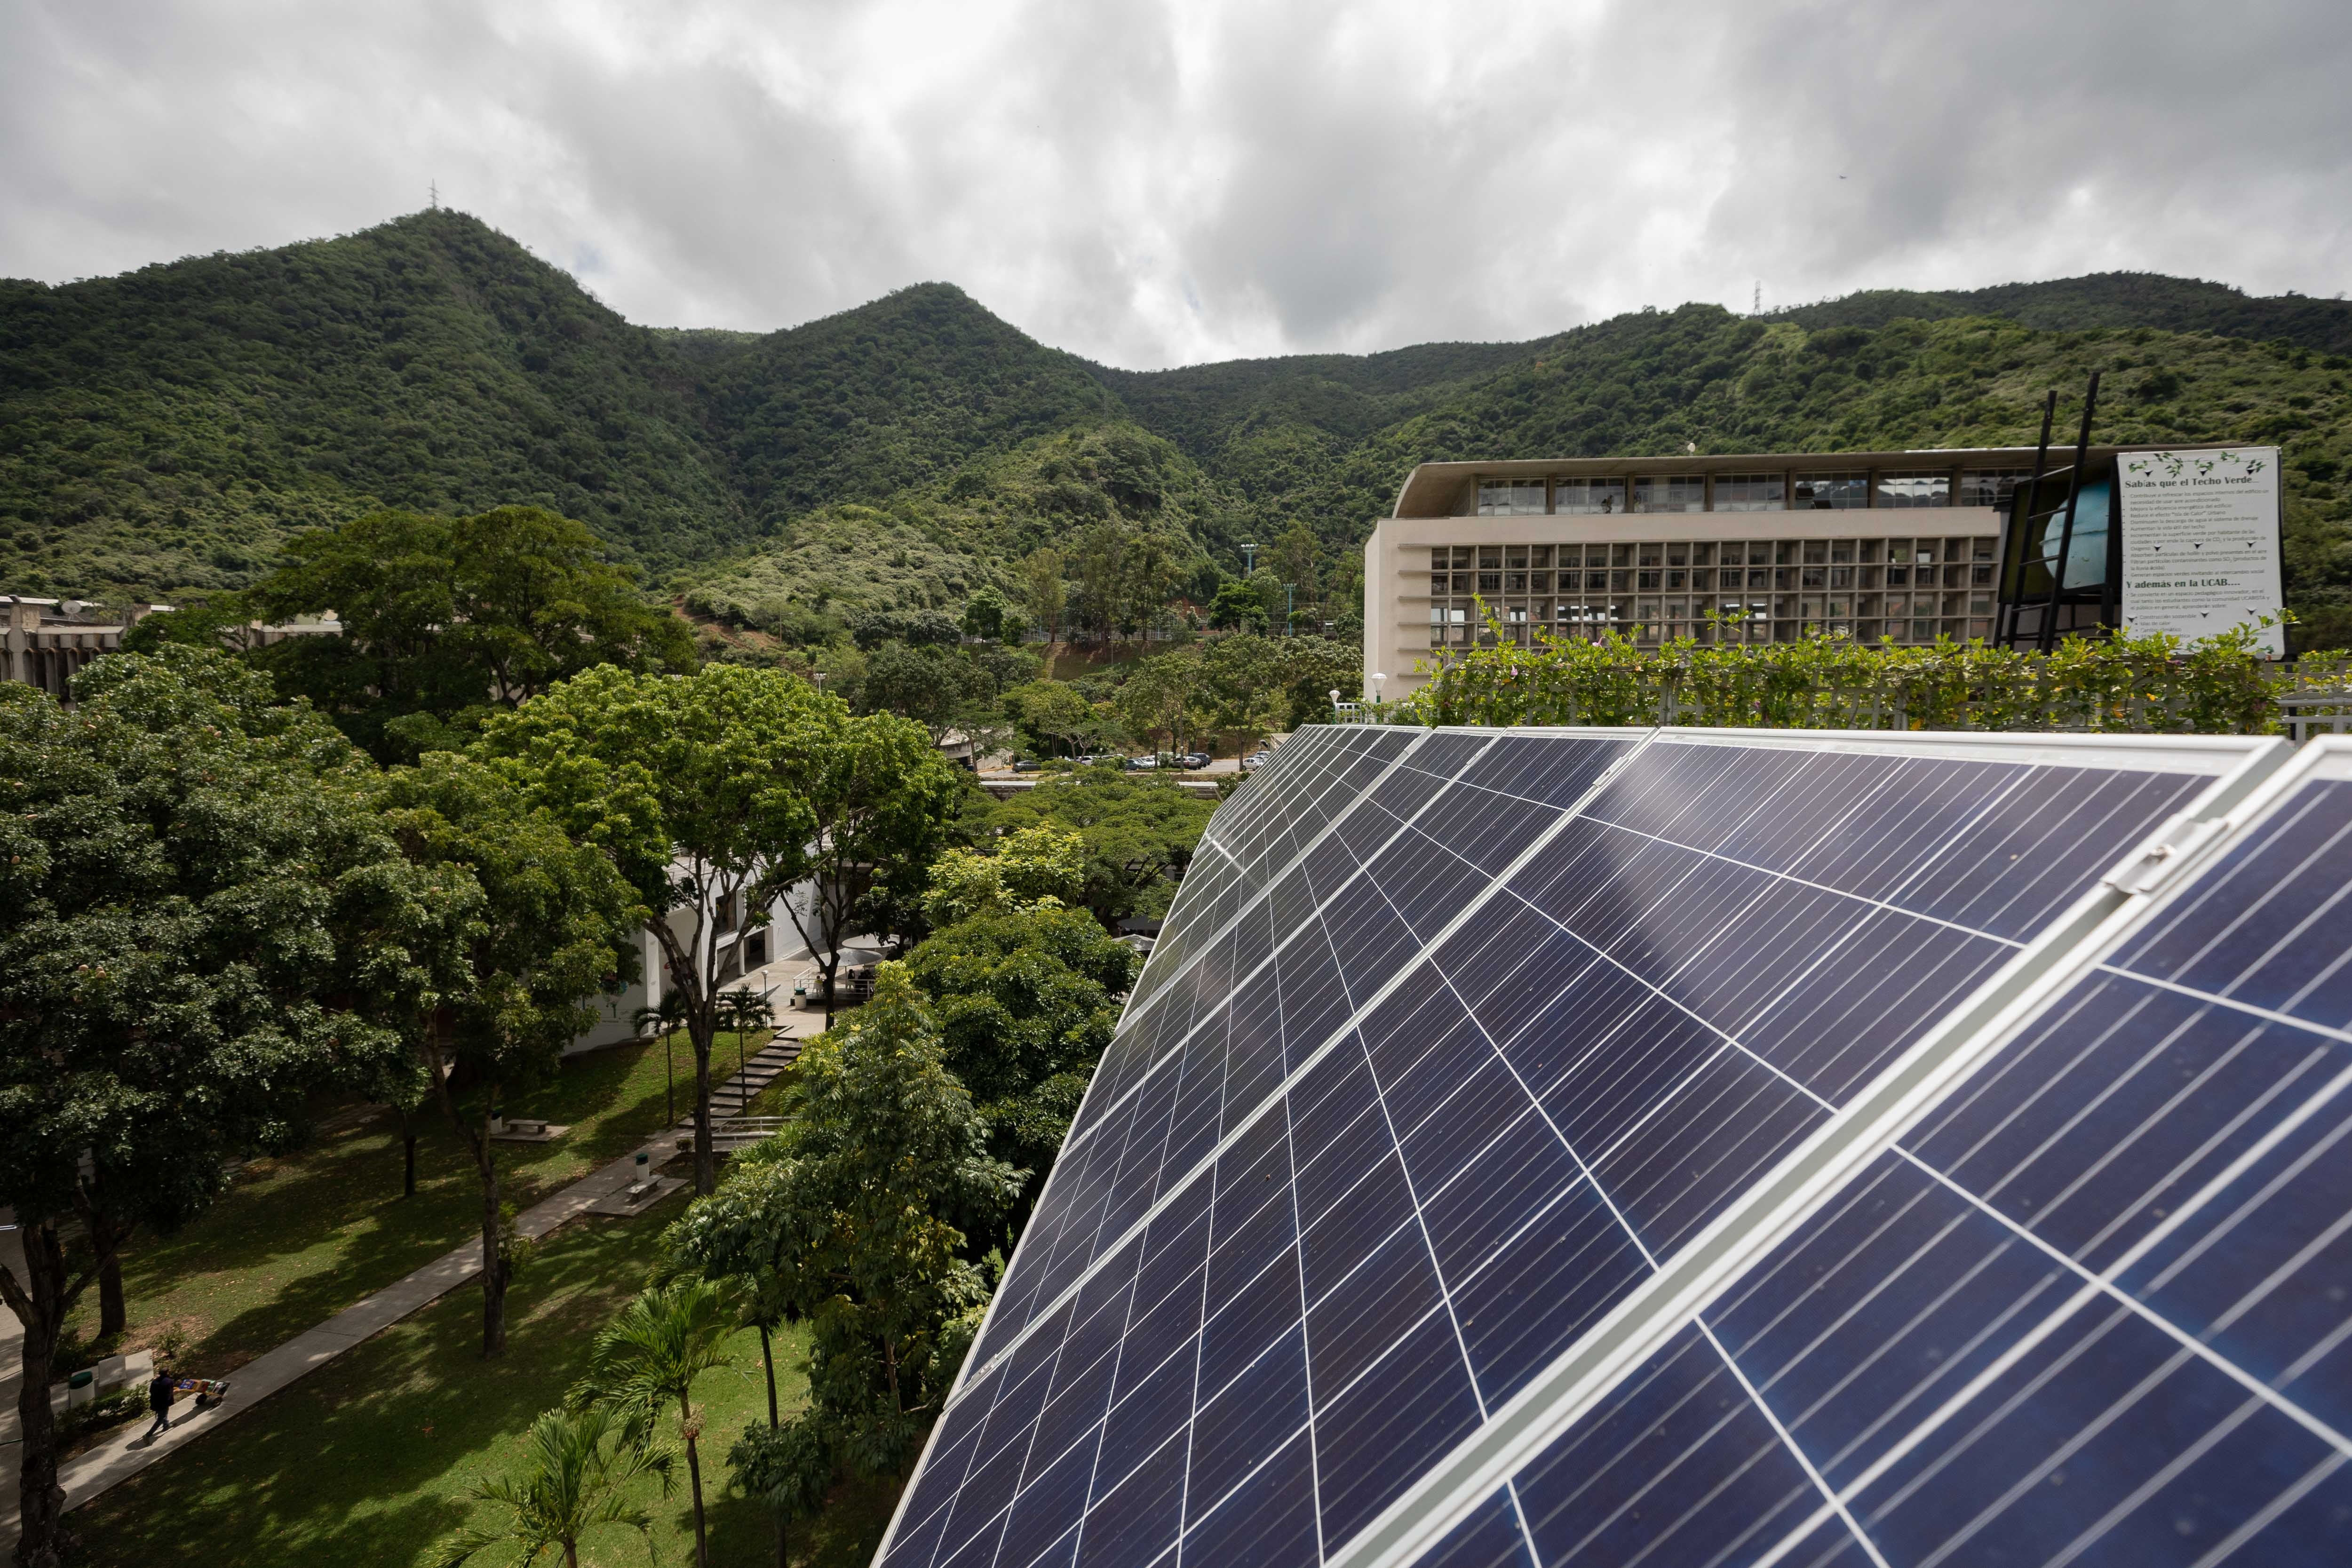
{"x":433,"y":189}
{"x":1757,"y":305}
{"x":1289,"y":606}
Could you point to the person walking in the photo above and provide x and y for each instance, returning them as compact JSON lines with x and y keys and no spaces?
{"x":159,"y":1400}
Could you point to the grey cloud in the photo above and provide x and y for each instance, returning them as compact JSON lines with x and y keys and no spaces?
{"x":1180,"y":180}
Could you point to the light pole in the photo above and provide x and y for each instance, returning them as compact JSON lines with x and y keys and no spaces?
{"x":1249,"y":560}
{"x":1378,"y":680}
{"x":1289,"y":605}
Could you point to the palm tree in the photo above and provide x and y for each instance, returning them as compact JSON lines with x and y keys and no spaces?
{"x":649,"y":1356}
{"x":574,"y":1481}
{"x":743,"y":1010}
{"x":666,"y":1015}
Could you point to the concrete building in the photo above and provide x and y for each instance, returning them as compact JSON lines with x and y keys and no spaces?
{"x":43,"y":642}
{"x":1759,"y":548}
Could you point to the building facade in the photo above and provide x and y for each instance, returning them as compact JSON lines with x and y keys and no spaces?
{"x":1759,"y":548}
{"x":44,"y":642}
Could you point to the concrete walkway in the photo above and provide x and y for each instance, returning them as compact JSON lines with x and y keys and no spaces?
{"x":124,"y":1452}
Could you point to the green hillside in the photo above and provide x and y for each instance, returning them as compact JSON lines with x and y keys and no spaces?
{"x":2111,"y":300}
{"x":162,"y":432}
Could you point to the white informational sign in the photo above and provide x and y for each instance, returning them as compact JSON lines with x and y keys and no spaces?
{"x":2201,"y":542}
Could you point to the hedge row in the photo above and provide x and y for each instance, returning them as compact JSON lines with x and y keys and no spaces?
{"x":2154,"y":684}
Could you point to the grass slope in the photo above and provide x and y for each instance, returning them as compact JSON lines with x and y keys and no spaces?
{"x":364,"y":1460}
{"x":296,"y":1240}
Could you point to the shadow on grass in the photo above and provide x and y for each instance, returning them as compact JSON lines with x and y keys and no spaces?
{"x":366,"y":1460}
{"x":298,"y":1240}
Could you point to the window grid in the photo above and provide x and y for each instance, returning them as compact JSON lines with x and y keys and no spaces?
{"x":1908,"y":590}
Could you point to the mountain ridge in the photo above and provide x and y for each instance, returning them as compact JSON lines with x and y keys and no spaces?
{"x":163,"y":432}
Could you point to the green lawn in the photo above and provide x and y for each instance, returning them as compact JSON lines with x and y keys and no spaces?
{"x":296,"y":1240}
{"x":362,"y":1462}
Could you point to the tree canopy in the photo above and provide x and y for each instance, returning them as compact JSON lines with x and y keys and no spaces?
{"x":200,"y":922}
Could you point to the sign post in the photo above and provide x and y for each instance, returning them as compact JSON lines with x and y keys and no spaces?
{"x":2200,"y":542}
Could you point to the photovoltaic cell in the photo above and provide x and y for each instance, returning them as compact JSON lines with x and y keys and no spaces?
{"x":2096,"y":1306}
{"x":1477,"y":1051}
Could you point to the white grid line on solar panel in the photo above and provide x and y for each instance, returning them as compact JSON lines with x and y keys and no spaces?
{"x":1146,"y":998}
{"x":1145,"y":1001}
{"x":1142,"y":1011}
{"x":1338,"y":779}
{"x":1322,"y":902}
{"x":1205,"y":914}
{"x":2103,"y":1282}
{"x":1230,"y":829}
{"x":1696,"y":1073}
{"x":1483,"y":885}
{"x":1440,"y":1270}
{"x":1088,"y":1120}
{"x":1240,"y":1128}
{"x":1370,"y":803}
{"x":1372,"y":1552}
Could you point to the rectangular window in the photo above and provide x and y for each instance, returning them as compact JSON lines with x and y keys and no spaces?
{"x":1991,"y":486}
{"x":1511,"y":498}
{"x":1672,"y":492}
{"x":1914,"y":490}
{"x":1540,"y":556}
{"x":1490,"y":557}
{"x":1516,"y":555}
{"x":1588,"y":496}
{"x":1831,"y":492}
{"x":1749,"y":492}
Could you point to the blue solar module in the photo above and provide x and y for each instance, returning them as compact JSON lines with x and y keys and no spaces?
{"x":1450,"y":1083}
{"x":2095,"y":1305}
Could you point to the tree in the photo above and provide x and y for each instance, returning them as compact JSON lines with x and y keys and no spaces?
{"x":441,"y":617}
{"x":552,"y":929}
{"x":854,"y":1217}
{"x":1158,"y":695}
{"x":740,"y":1011}
{"x":1101,"y":563}
{"x":1027,"y":1000}
{"x":1238,"y":607}
{"x":649,"y":1357}
{"x":195,"y":902}
{"x":983,"y":614}
{"x":1296,"y":561}
{"x":880,"y":800}
{"x":578,"y":1470}
{"x":1033,"y":866}
{"x":700,"y":788}
{"x":1139,"y":833}
{"x":932,"y":686}
{"x":664,"y":1018}
{"x":1050,"y":715}
{"x":1041,"y":583}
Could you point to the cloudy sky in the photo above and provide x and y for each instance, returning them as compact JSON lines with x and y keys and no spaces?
{"x":1156,"y":184}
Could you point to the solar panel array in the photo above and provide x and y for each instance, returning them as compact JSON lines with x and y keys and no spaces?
{"x":1413,"y":1213}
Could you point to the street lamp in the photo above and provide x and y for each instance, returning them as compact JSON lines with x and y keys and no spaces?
{"x":1289,"y":605}
{"x":1379,"y":679}
{"x":1249,"y":560}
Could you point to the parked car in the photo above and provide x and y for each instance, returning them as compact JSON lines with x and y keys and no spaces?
{"x":1196,"y":760}
{"x":1027,"y":765}
{"x":1255,"y":761}
{"x":1140,"y":764}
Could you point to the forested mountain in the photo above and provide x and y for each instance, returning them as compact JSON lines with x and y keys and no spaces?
{"x":162,"y":432}
{"x":2104,"y":299}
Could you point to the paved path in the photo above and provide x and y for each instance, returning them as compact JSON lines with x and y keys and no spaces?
{"x":124,"y":1452}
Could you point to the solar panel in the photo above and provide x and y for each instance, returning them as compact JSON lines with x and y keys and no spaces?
{"x":1479,"y":1054}
{"x":2093,"y":1304}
